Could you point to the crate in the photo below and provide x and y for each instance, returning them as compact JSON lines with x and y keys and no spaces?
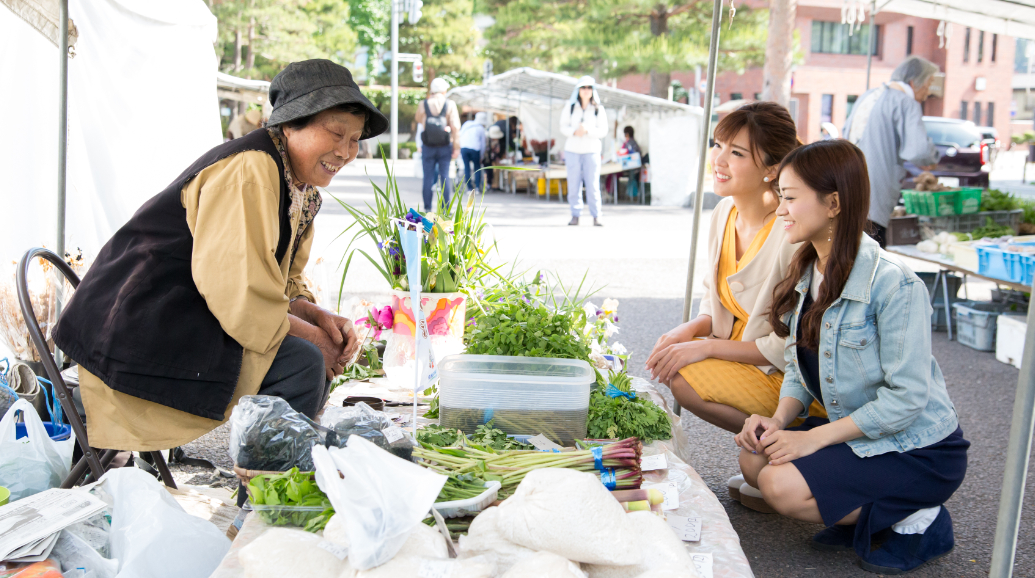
{"x":930,"y":204}
{"x":968,"y":223}
{"x":904,"y":230}
{"x":968,"y":200}
{"x":939,"y":318}
{"x":996,"y":263}
{"x":976,"y":324}
{"x":558,"y":186}
{"x":1010,"y":333}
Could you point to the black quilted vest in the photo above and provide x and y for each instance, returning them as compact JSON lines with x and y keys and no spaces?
{"x":137,"y":320}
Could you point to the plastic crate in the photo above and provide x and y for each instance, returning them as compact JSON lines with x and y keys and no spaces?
{"x":996,"y":263}
{"x":968,"y":223}
{"x":976,"y":324}
{"x":940,"y":316}
{"x":930,"y":204}
{"x":968,"y":200}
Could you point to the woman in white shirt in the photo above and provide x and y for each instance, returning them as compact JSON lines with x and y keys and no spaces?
{"x":584,"y":123}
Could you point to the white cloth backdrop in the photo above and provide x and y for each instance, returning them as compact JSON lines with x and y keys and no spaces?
{"x":142,"y":107}
{"x":673,"y":159}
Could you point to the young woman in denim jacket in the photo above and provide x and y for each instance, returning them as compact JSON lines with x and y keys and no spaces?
{"x":859,"y":342}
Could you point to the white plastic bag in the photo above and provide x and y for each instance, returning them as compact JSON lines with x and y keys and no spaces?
{"x":151,"y":535}
{"x":281,"y":552}
{"x":73,"y":552}
{"x":545,"y":565}
{"x":661,"y":547}
{"x":34,"y":463}
{"x":381,"y":497}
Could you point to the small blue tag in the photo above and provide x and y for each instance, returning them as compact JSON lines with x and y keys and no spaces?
{"x":607,"y":477}
{"x":598,"y":457}
{"x":488,"y":416}
{"x":613,"y":392}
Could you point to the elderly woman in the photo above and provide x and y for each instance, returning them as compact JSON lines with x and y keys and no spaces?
{"x":887,"y":124}
{"x":200,"y":299}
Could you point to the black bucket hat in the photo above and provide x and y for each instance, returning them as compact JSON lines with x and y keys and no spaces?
{"x":311,"y":86}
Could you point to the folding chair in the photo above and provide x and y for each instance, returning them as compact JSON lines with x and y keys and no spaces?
{"x":96,"y":460}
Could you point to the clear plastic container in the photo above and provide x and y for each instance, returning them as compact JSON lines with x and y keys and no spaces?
{"x":283,"y":515}
{"x":521,"y":395}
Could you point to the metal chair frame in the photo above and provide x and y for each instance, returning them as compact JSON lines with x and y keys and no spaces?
{"x":96,"y":460}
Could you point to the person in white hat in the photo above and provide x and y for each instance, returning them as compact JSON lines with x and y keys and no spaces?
{"x":440,"y":140}
{"x":584,"y":122}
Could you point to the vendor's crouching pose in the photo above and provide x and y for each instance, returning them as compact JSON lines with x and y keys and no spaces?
{"x":199,"y":299}
{"x":858,"y":334}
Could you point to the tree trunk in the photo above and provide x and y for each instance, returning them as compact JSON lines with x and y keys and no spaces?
{"x":251,"y":46}
{"x":779,"y":52}
{"x":659,"y":81}
{"x":237,"y":50}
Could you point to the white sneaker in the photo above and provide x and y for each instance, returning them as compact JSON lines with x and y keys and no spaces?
{"x":734,"y":486}
{"x":752,"y":499}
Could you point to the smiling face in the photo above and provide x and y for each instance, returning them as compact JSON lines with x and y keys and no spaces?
{"x":585,"y":93}
{"x":735,"y":170}
{"x":320,"y":149}
{"x":806,"y":214}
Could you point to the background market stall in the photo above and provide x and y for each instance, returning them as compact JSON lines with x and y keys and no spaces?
{"x":537,"y":98}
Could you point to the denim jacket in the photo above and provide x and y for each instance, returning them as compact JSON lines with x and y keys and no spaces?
{"x":875,"y":361}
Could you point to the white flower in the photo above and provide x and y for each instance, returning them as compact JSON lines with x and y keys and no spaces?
{"x":595,"y":347}
{"x":609,"y":329}
{"x":598,"y":361}
{"x":618,"y":349}
{"x":610,"y":306}
{"x":591,"y":311}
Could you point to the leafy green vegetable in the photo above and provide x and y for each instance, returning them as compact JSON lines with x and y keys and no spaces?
{"x":436,"y":435}
{"x":432,"y":412}
{"x":996,"y":200}
{"x":529,"y":329}
{"x":461,"y":487}
{"x":991,"y":230}
{"x":289,"y":491}
{"x":1028,"y":206}
{"x":486,"y":435}
{"x":620,"y":417}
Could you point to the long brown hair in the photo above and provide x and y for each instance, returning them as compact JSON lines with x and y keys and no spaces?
{"x":771,"y":131}
{"x":825,"y":167}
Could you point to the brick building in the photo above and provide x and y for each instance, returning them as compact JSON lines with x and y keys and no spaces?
{"x":978,"y":68}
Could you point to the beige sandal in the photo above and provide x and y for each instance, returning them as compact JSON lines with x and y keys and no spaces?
{"x":752,"y":499}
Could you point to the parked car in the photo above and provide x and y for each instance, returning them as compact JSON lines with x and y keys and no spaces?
{"x":990,"y":136}
{"x":965,"y":156}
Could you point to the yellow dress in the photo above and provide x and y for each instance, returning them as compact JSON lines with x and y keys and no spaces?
{"x":739,"y":385}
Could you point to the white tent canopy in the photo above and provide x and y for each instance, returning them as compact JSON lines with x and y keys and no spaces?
{"x":1007,"y":17}
{"x":538,"y":98}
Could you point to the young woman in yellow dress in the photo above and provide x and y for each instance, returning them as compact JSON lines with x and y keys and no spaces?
{"x":725,"y":364}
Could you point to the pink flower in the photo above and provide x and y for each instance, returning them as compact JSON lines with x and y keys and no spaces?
{"x":385,"y":317}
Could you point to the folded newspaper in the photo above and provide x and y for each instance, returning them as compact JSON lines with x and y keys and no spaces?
{"x":29,"y":527}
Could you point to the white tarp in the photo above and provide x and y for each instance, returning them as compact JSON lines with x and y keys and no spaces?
{"x":141,"y":107}
{"x":1005,"y":17}
{"x":673,"y":172}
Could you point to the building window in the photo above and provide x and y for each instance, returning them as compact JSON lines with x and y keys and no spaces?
{"x":909,"y":40}
{"x":833,"y":38}
{"x":990,"y":114}
{"x":1020,"y":56}
{"x":963,"y":110}
{"x":850,"y":104}
{"x":995,"y":38}
{"x":827,"y":114}
{"x":977,"y":113}
{"x":758,"y":96}
{"x":966,"y":46}
{"x":981,"y":46}
{"x":736,"y":96}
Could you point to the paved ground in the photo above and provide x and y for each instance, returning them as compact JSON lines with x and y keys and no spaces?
{"x":641,"y":255}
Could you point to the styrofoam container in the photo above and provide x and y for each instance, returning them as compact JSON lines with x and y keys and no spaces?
{"x":1009,"y":338}
{"x":458,"y":508}
{"x":521,"y":395}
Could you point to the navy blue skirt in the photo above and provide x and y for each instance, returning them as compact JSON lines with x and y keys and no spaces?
{"x":888,"y":487}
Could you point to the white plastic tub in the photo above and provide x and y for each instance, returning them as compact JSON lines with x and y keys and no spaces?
{"x":975,"y":324}
{"x":1009,"y":339}
{"x":470,"y":506}
{"x":520,"y":395}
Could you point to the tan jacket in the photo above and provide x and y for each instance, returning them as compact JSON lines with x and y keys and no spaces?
{"x":435,"y":103}
{"x":752,"y":286}
{"x":233,"y":212}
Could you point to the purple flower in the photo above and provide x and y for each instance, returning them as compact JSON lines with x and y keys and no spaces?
{"x":393,"y":252}
{"x":600,"y":312}
{"x":616,"y":318}
{"x":413,"y":218}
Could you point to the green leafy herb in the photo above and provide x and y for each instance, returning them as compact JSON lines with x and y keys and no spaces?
{"x":436,"y":435}
{"x":991,"y":230}
{"x":620,"y":418}
{"x":486,"y":435}
{"x":996,"y":200}
{"x":432,"y":412}
{"x":461,"y":487}
{"x":290,"y":490}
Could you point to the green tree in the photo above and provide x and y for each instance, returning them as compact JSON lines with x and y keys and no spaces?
{"x":610,"y":38}
{"x":371,"y":20}
{"x":446,"y":38}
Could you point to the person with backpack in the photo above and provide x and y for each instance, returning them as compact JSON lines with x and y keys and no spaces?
{"x":439,"y":141}
{"x":584,"y":123}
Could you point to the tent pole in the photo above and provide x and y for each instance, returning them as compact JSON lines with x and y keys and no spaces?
{"x":706,"y":125}
{"x":62,"y":124}
{"x":872,"y":42}
{"x":1011,"y":500}
{"x":549,"y":137}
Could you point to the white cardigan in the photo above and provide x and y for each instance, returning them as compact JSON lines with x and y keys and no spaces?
{"x":752,"y":286}
{"x":595,"y":124}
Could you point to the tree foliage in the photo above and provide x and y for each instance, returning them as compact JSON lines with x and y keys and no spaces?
{"x":446,"y":38}
{"x":610,"y":38}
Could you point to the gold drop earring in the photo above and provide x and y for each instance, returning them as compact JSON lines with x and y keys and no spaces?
{"x":830,"y":231}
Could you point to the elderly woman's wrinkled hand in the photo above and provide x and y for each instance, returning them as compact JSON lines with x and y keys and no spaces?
{"x":341,"y":333}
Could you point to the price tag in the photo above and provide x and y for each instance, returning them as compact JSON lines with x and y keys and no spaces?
{"x":543,"y":444}
{"x":339,"y":552}
{"x":436,"y":569}
{"x":393,"y":433}
{"x":671,"y":494}
{"x":703,"y":564}
{"x":655,"y":462}
{"x":688,"y":529}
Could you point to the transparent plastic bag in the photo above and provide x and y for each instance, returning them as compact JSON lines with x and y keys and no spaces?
{"x":36,"y":462}
{"x":380,"y":496}
{"x":372,"y":425}
{"x":267,"y":434}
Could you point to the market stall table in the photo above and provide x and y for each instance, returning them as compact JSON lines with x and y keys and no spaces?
{"x":947,"y":266}
{"x":719,"y":540}
{"x":555,"y":172}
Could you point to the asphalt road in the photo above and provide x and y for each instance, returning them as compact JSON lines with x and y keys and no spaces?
{"x":640,"y":257}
